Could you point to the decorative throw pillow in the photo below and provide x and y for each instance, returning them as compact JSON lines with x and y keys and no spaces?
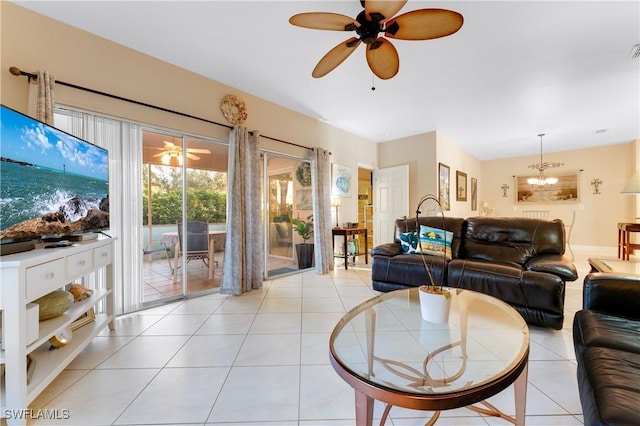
{"x":408,"y":242}
{"x":434,"y":241}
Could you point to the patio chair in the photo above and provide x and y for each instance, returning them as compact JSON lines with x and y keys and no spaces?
{"x":197,"y":245}
{"x":154,"y":247}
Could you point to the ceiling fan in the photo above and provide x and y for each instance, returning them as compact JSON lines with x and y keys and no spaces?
{"x":172,"y":151}
{"x":377,"y":17}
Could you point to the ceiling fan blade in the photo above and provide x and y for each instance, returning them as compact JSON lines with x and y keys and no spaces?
{"x":199,"y":150}
{"x":386,"y":9}
{"x":192,"y":157}
{"x":335,"y":57}
{"x":161,"y":154}
{"x":383,"y":59}
{"x":424,"y":24}
{"x":324,"y":21}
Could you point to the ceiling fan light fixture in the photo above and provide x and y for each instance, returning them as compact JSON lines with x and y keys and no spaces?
{"x":378,"y":19}
{"x":172,"y":159}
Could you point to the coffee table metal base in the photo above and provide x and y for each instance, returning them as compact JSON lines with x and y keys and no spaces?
{"x":366,"y":395}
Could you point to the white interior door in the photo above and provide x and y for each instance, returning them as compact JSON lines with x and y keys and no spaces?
{"x":390,"y":201}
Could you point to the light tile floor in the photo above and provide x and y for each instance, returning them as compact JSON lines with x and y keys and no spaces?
{"x":262,"y":358}
{"x":159,"y":286}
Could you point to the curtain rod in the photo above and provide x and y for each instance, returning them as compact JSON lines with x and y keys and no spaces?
{"x":18,"y":72}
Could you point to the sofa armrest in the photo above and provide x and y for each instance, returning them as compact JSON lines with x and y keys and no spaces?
{"x":614,"y":293}
{"x":554,"y":264}
{"x":387,"y":249}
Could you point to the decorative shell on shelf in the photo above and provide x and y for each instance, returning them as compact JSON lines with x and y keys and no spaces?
{"x":233,"y":109}
{"x":80,"y":292}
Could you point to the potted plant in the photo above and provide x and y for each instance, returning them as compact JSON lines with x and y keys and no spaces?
{"x":304,"y":250}
{"x":435,"y":300}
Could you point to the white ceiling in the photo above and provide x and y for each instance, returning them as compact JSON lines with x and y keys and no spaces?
{"x":515,"y":69}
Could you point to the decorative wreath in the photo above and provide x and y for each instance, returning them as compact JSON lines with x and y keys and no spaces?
{"x":303,"y":174}
{"x":233,"y":109}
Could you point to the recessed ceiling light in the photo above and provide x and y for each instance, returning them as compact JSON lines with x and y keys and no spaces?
{"x":635,"y":52}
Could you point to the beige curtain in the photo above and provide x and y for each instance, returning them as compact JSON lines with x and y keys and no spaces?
{"x":44,"y":111}
{"x":321,"y":176}
{"x":243,"y":267}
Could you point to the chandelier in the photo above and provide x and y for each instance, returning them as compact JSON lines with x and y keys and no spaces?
{"x":541,"y":167}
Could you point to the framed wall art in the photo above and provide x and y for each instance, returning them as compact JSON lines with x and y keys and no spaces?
{"x":564,"y":190}
{"x":341,"y":181}
{"x":474,"y":194}
{"x":461,"y":186}
{"x":443,"y":186}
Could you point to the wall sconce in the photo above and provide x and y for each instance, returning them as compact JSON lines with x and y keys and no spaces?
{"x":504,"y":188}
{"x":596,"y":185}
{"x":336,"y":203}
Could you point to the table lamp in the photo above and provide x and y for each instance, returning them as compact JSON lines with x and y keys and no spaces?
{"x":336,"y":203}
{"x":633,"y":186}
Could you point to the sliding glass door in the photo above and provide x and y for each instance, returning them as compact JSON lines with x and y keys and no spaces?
{"x":287,"y":196}
{"x":184,"y":215}
{"x":204,"y":230}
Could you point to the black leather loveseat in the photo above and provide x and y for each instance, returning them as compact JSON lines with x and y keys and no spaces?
{"x":606,"y":336}
{"x":518,"y":260}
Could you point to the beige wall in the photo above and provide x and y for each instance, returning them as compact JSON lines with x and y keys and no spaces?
{"x":423,"y":153}
{"x":596,"y":215}
{"x":31,"y":41}
{"x":420,"y":153}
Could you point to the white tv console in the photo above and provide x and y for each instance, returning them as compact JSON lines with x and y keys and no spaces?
{"x":27,"y":276}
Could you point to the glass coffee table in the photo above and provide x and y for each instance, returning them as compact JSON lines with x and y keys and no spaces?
{"x":614,"y":265}
{"x":387,"y":352}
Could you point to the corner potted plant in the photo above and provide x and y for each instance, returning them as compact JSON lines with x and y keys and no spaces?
{"x":304,"y":250}
{"x":435,"y":299}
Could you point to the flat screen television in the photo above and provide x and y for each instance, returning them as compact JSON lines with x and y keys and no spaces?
{"x":52,"y":184}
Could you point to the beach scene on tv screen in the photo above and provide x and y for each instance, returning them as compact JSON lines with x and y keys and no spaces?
{"x":51,"y":183}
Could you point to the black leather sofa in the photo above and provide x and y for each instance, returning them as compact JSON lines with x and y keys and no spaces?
{"x":606,"y":336}
{"x":518,"y":260}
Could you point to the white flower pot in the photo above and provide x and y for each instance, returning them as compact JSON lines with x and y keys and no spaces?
{"x":434,"y":307}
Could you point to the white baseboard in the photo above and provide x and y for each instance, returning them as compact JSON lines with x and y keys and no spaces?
{"x":607,"y":250}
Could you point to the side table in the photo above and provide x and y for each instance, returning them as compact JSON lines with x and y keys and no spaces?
{"x":625,"y":247}
{"x":346,"y":232}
